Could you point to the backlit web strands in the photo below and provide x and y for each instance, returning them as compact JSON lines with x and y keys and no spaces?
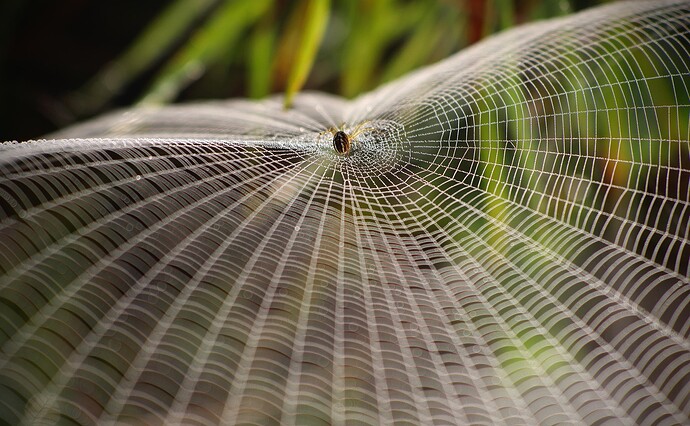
{"x":507,"y":242}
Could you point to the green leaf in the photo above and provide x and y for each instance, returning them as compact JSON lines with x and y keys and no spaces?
{"x":375,"y":25}
{"x":416,"y":50}
{"x":214,"y":40}
{"x":315,"y":20}
{"x":259,"y":64}
{"x":151,"y":45}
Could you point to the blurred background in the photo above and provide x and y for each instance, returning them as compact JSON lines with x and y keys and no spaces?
{"x":69,"y":60}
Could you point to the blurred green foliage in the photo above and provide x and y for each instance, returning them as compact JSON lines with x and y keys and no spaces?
{"x":201,"y":49}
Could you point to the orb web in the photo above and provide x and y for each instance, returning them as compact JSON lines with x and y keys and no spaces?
{"x":507,"y":242}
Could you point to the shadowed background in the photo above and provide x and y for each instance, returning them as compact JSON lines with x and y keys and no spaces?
{"x":51,"y":53}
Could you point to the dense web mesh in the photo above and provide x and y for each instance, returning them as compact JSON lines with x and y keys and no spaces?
{"x":507,"y":242}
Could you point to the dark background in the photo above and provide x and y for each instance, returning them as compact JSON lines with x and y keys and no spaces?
{"x":49,"y":49}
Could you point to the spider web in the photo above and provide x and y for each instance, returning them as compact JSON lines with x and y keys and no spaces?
{"x":508,"y":242}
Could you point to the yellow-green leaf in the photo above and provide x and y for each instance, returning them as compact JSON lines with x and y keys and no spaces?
{"x":315,"y":20}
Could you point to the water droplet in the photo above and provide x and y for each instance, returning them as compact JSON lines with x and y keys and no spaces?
{"x":138,"y":177}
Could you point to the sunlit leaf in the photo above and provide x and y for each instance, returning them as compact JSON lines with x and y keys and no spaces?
{"x":312,"y":25}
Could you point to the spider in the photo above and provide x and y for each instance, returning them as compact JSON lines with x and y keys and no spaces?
{"x":342,"y":141}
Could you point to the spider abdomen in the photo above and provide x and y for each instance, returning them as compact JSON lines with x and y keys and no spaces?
{"x":341,"y":142}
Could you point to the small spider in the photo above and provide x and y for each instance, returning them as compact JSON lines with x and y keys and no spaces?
{"x":342,"y":141}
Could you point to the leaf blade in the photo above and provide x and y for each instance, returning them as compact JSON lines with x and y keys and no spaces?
{"x":316,"y":18}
